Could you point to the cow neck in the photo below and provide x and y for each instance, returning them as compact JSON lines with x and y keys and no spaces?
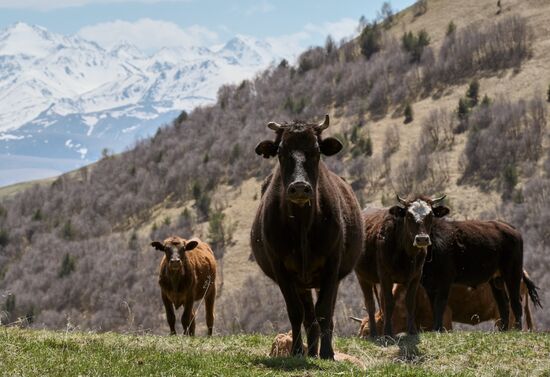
{"x":300,"y":221}
{"x":177,"y":279}
{"x":401,"y":240}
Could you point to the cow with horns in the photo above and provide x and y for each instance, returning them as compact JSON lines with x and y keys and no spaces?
{"x":308,"y":232}
{"x":395,"y":248}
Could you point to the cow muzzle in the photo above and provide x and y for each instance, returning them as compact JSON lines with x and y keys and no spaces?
{"x":422,"y":240}
{"x":175,"y":265}
{"x":300,"y":193}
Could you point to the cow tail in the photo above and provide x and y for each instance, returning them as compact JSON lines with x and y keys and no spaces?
{"x":532,"y":289}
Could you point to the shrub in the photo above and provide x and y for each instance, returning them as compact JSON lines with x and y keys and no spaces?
{"x":408,"y":113}
{"x":437,"y":131}
{"x":68,"y":265}
{"x":391,"y":141}
{"x":473,"y":93}
{"x":451,"y":28}
{"x":548,"y":94}
{"x":414,"y":44}
{"x":220,"y":233}
{"x":370,"y":40}
{"x":9,"y":308}
{"x":420,"y":7}
{"x":463,"y":109}
{"x":4,"y":237}
{"x":503,"y":135}
{"x":500,"y":45}
{"x":386,"y":14}
{"x":67,"y":232}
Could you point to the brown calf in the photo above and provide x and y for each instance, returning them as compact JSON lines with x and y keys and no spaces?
{"x":187,"y":274}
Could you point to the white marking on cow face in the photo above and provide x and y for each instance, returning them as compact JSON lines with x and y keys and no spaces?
{"x":299,"y":169}
{"x":419,"y":209}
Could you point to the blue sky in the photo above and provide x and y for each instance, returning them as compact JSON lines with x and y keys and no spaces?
{"x":147,"y":23}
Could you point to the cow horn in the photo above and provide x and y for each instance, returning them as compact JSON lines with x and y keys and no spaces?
{"x":436,"y":201}
{"x":401,"y":201}
{"x":324,"y":124}
{"x":356,"y":319}
{"x":274,"y":126}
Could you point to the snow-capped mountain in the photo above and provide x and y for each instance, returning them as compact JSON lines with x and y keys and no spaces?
{"x":68,"y":98}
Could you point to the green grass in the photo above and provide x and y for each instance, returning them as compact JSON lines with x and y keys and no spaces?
{"x":46,"y":353}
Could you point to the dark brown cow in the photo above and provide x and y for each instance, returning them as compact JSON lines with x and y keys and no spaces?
{"x":308,"y":230}
{"x":465,"y":305}
{"x":396,"y":242}
{"x":187,"y":274}
{"x":473,"y":252}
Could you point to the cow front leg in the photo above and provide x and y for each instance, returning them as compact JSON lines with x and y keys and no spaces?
{"x":310,"y":324}
{"x":295,"y":310}
{"x":410,"y":302}
{"x":388,"y":303}
{"x":324,"y":310}
{"x":187,"y":319}
{"x":368,"y":296}
{"x":170,"y":315}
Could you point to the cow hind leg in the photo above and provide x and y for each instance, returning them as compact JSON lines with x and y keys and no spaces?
{"x":502,"y":301}
{"x":310,"y":323}
{"x":513,"y":286}
{"x":439,"y":303}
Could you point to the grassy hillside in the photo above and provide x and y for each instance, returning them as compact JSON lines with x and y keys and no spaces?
{"x":78,"y":248}
{"x":43,"y":353}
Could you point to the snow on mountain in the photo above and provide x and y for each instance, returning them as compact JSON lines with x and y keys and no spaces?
{"x":67,"y":97}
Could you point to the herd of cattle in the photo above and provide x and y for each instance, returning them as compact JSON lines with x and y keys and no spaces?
{"x":309,"y":233}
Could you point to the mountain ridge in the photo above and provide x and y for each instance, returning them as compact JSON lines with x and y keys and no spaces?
{"x":109,"y":98}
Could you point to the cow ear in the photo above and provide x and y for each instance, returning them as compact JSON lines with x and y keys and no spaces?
{"x":157,"y":245}
{"x":330,"y":146}
{"x":266,"y":148}
{"x":441,"y":211}
{"x":191,"y":245}
{"x":398,"y":211}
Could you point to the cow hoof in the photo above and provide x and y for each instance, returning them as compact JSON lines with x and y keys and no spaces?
{"x":328,"y":356}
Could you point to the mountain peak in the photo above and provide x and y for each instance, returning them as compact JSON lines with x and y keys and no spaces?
{"x":31,"y":40}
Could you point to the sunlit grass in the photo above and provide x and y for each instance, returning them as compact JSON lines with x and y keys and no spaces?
{"x":39,"y":353}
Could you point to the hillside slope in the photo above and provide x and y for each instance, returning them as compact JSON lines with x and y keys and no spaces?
{"x":201,"y":172}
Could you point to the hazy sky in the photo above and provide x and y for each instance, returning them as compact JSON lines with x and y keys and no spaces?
{"x":153,"y":23}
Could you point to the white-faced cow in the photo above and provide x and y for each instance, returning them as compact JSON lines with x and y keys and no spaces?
{"x":396,"y":243}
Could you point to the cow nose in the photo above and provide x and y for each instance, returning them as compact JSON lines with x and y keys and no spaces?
{"x":299,"y":189}
{"x":174,"y":263}
{"x":422,"y":240}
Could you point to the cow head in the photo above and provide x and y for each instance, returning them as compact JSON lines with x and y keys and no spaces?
{"x":299,"y":146}
{"x":174,"y":249}
{"x":417,"y":217}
